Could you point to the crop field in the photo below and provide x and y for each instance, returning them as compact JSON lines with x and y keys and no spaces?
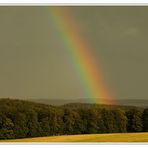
{"x":120,"y":137}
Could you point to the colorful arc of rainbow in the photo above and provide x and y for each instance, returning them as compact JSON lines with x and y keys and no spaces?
{"x":83,"y":62}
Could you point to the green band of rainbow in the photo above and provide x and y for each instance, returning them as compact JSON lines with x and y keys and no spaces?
{"x":84,"y":63}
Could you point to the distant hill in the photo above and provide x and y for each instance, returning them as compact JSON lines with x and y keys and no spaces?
{"x":134,"y":102}
{"x":123,"y":102}
{"x":57,"y":102}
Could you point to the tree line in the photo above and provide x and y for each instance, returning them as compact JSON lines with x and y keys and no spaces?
{"x":21,"y":119}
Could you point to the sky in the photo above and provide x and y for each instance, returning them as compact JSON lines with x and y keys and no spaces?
{"x":33,"y":63}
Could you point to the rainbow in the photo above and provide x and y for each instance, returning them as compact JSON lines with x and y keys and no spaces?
{"x":81,"y":58}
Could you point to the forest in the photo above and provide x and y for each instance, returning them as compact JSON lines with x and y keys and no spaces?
{"x":22,"y":119}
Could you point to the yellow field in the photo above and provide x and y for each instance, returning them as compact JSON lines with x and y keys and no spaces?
{"x":122,"y":137}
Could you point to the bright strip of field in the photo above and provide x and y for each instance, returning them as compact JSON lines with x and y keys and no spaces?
{"x":120,"y":137}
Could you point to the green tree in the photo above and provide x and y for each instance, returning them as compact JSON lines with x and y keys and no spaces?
{"x":108,"y":120}
{"x":135,"y":123}
{"x":20,"y":125}
{"x":34,"y":129}
{"x":6,"y":130}
{"x":92,"y":124}
{"x":120,"y":121}
{"x":69,"y":121}
{"x":44,"y":120}
{"x":145,"y":120}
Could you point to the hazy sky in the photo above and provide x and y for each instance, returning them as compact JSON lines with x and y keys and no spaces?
{"x":33,"y":66}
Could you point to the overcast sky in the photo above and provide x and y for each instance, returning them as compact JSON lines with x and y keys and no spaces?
{"x":33,"y":66}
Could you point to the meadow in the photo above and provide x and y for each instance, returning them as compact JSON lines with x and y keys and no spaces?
{"x":119,"y":137}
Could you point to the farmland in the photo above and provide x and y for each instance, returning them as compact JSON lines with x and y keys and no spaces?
{"x":120,"y":137}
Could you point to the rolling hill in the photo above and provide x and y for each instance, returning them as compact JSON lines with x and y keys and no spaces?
{"x":122,"y":102}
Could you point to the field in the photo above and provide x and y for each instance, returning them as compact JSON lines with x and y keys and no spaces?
{"x":121,"y":137}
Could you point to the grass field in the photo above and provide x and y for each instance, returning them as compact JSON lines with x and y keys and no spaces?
{"x":122,"y":137}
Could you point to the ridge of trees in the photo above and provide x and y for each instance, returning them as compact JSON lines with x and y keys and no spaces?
{"x":21,"y":119}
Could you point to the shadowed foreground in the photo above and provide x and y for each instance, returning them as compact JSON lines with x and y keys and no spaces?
{"x":124,"y":137}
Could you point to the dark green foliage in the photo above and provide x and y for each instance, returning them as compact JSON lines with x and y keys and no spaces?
{"x":108,"y":119}
{"x":20,"y":119}
{"x":135,"y":123}
{"x":53,"y":123}
{"x":69,"y":121}
{"x":6,"y":130}
{"x":120,"y":121}
{"x":43,"y":119}
{"x":145,"y":120}
{"x":20,"y":125}
{"x":92,"y":121}
{"x":32,"y":124}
